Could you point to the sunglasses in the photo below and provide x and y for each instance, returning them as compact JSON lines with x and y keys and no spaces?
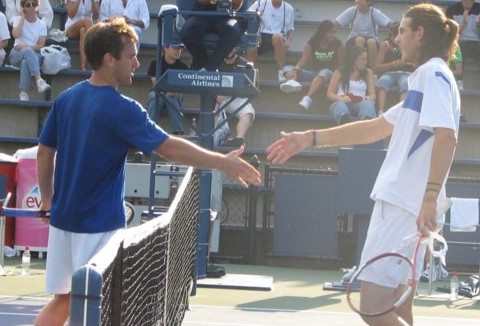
{"x":30,"y":4}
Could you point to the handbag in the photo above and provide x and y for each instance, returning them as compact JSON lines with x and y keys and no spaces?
{"x":55,"y":58}
{"x":220,"y":136}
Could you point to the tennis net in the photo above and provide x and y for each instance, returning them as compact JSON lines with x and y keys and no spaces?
{"x":144,"y":276}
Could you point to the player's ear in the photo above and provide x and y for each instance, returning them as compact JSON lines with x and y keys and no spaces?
{"x":108,"y":59}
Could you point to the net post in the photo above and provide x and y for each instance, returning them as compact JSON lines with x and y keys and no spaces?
{"x":86,"y":297}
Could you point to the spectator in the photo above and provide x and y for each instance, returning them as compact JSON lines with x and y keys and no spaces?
{"x":327,"y":53}
{"x":172,"y":101}
{"x":352,"y":88}
{"x":391,"y":69}
{"x":81,"y":15}
{"x":276,"y":32}
{"x":30,"y":34}
{"x":135,"y":13}
{"x":467,"y":14}
{"x":247,"y":114}
{"x":228,"y":28}
{"x":81,"y":160}
{"x":4,"y":37}
{"x":45,"y":11}
{"x":364,"y":20}
{"x":456,"y":65}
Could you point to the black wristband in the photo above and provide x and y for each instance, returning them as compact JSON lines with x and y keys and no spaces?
{"x":314,"y":138}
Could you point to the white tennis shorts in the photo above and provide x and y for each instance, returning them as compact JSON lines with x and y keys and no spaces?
{"x":389,"y":227}
{"x":67,"y":251}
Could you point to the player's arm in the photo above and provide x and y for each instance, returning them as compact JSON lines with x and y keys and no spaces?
{"x":360,"y":132}
{"x":45,"y":170}
{"x":181,"y":151}
{"x":443,"y":150}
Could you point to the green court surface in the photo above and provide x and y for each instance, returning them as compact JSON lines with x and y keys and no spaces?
{"x":294,"y":290}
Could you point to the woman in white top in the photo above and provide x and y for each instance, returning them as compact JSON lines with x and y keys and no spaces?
{"x":81,"y":15}
{"x":352,"y":88}
{"x":135,"y":12}
{"x":30,"y":34}
{"x":44,"y":11}
{"x":4,"y":36}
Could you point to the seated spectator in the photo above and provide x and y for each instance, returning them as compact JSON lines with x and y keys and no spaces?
{"x":276,"y":32}
{"x":45,"y":11}
{"x":364,"y":20}
{"x":352,"y":88}
{"x":456,"y":65}
{"x":467,"y":14}
{"x":327,"y":54}
{"x":247,"y":114}
{"x":172,"y":101}
{"x":81,"y":15}
{"x":30,"y":34}
{"x":228,"y":28}
{"x":4,"y":37}
{"x":391,"y":69}
{"x":135,"y":12}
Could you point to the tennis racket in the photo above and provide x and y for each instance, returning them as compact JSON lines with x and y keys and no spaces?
{"x":385,"y":282}
{"x":21,"y":212}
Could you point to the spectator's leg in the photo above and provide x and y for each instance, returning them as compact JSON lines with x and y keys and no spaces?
{"x":244,"y":123}
{"x":372,"y":49}
{"x":366,"y":109}
{"x":28,"y":61}
{"x":153,"y":113}
{"x":173,"y":104}
{"x":229,"y":32}
{"x":77,"y":32}
{"x":279,"y":50}
{"x":193,"y":32}
{"x":315,"y":86}
{"x":340,"y":112}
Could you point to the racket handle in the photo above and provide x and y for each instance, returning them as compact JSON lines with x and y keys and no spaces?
{"x":24,"y":212}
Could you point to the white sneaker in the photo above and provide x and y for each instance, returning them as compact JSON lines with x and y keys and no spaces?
{"x":306,"y":102}
{"x":42,"y":86}
{"x":460,"y":85}
{"x":23,"y":96}
{"x":443,"y":273}
{"x":349,"y":274}
{"x":281,"y":76}
{"x":291,"y":86}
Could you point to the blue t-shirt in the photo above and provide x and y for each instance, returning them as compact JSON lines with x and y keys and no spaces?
{"x":92,"y":128}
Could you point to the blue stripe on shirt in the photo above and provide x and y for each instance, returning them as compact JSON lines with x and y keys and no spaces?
{"x":413,"y":100}
{"x":440,"y":74}
{"x":422,"y":137}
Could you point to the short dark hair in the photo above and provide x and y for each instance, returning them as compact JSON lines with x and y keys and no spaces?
{"x":105,"y":37}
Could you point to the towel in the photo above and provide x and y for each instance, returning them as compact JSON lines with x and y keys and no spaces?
{"x":464,"y":214}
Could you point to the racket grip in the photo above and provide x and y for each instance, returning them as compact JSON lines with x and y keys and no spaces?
{"x":22,"y":212}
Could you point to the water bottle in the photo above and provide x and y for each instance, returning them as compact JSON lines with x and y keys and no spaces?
{"x":26,"y":261}
{"x":454,"y":285}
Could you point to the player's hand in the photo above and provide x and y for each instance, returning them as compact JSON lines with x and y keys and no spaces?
{"x":287,"y":146}
{"x":427,"y":218}
{"x":239,"y":169}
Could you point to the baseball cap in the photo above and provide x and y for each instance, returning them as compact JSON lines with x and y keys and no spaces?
{"x":175,"y":44}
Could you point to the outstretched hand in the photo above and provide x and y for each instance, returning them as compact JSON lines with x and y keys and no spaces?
{"x":239,"y":169}
{"x":287,"y":146}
